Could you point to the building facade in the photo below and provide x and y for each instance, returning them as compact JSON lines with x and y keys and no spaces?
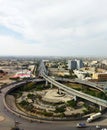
{"x":100,"y":76}
{"x":79,"y":64}
{"x":72,"y":65}
{"x":75,"y":64}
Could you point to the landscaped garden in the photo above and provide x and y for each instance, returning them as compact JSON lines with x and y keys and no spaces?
{"x":37,"y":99}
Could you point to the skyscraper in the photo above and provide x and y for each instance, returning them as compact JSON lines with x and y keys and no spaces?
{"x":72,"y":65}
{"x":79,"y":64}
{"x":75,"y":64}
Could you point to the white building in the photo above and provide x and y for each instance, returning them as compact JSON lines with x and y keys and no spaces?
{"x":79,"y":64}
{"x":80,"y":74}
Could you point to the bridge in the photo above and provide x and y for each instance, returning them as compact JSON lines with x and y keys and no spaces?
{"x":100,"y":102}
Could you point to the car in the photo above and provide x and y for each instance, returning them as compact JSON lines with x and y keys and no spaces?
{"x":15,"y":128}
{"x":104,"y":129}
{"x":81,"y":125}
{"x":98,"y":126}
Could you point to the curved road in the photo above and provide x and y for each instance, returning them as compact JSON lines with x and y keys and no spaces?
{"x":27,"y":125}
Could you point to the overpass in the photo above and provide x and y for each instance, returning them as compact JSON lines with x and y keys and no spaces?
{"x":83,"y":82}
{"x":71,"y":91}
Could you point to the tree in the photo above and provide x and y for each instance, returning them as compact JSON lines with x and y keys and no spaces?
{"x":72,"y":75}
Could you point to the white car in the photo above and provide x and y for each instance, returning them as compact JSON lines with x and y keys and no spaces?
{"x":98,"y":126}
{"x":104,"y":129}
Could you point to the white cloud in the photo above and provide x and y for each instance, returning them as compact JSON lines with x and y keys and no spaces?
{"x":58,"y":27}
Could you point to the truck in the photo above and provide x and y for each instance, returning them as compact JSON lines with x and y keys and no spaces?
{"x":94,"y":117}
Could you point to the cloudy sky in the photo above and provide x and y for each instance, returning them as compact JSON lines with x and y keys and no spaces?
{"x":53,"y":27}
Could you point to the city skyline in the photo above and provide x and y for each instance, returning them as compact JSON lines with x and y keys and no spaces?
{"x":53,"y":28}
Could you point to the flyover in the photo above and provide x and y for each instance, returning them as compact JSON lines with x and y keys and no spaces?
{"x":71,"y":91}
{"x":25,"y":124}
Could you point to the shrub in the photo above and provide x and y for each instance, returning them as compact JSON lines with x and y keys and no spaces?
{"x":31,"y":96}
{"x":48,"y":114}
{"x":23,"y":103}
{"x":71,"y":103}
{"x":60,"y":109}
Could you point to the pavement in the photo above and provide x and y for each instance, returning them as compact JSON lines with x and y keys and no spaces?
{"x":53,"y":96}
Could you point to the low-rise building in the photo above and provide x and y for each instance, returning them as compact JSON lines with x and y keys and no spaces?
{"x":100,"y":76}
{"x":81,"y":74}
{"x":22,"y":74}
{"x":58,"y":72}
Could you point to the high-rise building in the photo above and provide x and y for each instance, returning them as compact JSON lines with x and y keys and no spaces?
{"x":75,"y":64}
{"x":79,"y":64}
{"x":72,"y":64}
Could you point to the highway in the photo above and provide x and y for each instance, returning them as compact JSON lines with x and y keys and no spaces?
{"x":28,"y":125}
{"x":100,"y":102}
{"x":25,"y":124}
{"x":75,"y":92}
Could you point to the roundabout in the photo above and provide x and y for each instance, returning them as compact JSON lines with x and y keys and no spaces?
{"x":36,"y":101}
{"x":46,"y":104}
{"x":26,"y":124}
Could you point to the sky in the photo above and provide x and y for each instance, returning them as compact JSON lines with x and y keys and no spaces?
{"x":53,"y":27}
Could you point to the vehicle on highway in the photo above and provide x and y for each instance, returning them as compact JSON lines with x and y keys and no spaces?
{"x":98,"y":126}
{"x":94,"y":117}
{"x":81,"y":125}
{"x":104,"y":129}
{"x":15,"y":128}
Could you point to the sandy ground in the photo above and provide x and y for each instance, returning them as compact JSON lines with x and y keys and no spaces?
{"x":2,"y":118}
